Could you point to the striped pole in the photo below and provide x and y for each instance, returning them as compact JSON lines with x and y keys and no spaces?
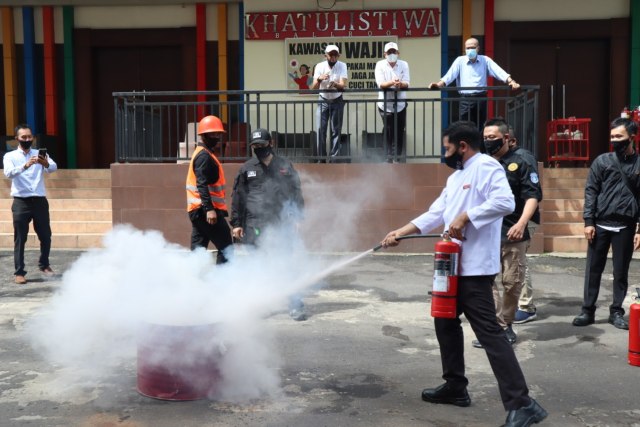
{"x":9,"y":67}
{"x":69,"y":88}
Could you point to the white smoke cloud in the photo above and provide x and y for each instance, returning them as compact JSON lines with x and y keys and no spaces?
{"x":109,"y":298}
{"x":99,"y":319}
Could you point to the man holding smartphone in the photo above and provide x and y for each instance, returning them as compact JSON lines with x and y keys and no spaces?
{"x":26,"y":166}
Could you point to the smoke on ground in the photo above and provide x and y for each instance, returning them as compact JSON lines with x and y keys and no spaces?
{"x":110,"y":296}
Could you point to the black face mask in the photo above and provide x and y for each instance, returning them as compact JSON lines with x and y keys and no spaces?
{"x":620,"y":146}
{"x":454,"y":161}
{"x":262,"y":152}
{"x":25,"y":144}
{"x":493,"y":145}
{"x":210,"y":141}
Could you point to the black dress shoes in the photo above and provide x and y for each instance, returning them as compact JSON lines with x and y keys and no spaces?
{"x":443,"y":394}
{"x":526,"y":415}
{"x":616,"y":319}
{"x":584,"y":319}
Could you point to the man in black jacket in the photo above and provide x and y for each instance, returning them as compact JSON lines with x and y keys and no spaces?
{"x":266,"y":194}
{"x":610,"y":220}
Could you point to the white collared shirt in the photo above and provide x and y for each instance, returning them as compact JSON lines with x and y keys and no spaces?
{"x":26,"y":182}
{"x":337,"y":72}
{"x":481,"y":189}
{"x":384,"y":73}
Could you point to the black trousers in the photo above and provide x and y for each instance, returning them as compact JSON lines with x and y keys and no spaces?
{"x":203,"y":233}
{"x":475,"y":300}
{"x":391,"y":131}
{"x":24,"y":210}
{"x":474,"y":109}
{"x":621,"y":244}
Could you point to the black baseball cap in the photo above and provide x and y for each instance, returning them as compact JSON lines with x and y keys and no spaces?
{"x":260,"y":136}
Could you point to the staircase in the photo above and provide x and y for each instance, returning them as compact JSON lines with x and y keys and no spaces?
{"x":79,"y":206}
{"x":563,"y":227}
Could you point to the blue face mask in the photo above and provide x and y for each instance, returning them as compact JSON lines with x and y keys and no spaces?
{"x":472,"y":53}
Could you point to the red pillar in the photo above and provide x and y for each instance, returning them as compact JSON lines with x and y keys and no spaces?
{"x":50,"y":81}
{"x":201,"y":55}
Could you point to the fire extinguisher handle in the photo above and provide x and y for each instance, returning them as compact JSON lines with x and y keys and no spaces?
{"x":410,"y":236}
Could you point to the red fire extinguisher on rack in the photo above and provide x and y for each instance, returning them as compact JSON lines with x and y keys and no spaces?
{"x":634,"y":331}
{"x":446,"y":263}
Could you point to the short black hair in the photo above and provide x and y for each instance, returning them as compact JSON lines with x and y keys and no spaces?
{"x":503,"y":127}
{"x":464,"y":131}
{"x":629,"y":125}
{"x":20,"y":127}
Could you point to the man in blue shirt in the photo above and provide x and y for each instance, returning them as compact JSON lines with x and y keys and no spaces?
{"x":26,"y":167}
{"x":471,"y":71}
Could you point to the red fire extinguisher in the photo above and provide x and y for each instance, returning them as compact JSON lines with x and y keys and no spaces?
{"x":446,"y":263}
{"x":625,"y":114}
{"x":634,"y":331}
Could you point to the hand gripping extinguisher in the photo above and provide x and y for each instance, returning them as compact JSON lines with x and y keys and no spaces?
{"x":446,"y":263}
{"x":634,"y":331}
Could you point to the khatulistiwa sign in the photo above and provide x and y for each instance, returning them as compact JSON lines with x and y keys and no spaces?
{"x":345,"y":23}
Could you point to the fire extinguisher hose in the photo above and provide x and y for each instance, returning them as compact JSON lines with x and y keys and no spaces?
{"x":410,"y":236}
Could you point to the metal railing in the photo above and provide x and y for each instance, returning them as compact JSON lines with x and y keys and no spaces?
{"x":162,"y":126}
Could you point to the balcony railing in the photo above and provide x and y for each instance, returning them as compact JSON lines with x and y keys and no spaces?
{"x":162,"y":126}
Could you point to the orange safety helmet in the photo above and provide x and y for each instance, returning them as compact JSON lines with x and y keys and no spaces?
{"x":210,"y":124}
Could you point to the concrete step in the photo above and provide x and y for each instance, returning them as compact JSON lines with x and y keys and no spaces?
{"x":565,"y":173}
{"x":577,"y":183}
{"x":562,"y":216}
{"x":58,"y":182}
{"x":68,"y":204}
{"x":66,"y":227}
{"x":58,"y":241}
{"x":68,"y":193}
{"x":562,"y":205}
{"x":575,"y":244}
{"x":563,"y":193}
{"x":68,"y":215}
{"x":564,"y":229}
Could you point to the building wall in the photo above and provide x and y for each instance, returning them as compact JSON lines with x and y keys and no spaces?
{"x":348,"y":207}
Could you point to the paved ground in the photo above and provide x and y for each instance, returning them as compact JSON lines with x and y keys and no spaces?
{"x":361,"y":359}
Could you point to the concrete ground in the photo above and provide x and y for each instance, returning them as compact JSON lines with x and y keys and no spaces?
{"x":362,"y":359}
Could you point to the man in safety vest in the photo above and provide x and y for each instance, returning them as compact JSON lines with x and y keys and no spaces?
{"x":205,"y":193}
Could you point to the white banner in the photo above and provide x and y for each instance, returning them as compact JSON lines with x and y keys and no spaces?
{"x":359,"y":53}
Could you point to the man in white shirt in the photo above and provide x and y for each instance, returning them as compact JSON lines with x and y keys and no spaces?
{"x":26,"y":166}
{"x":471,"y":206}
{"x":392,"y":75}
{"x":471,"y":70}
{"x":330,"y":76}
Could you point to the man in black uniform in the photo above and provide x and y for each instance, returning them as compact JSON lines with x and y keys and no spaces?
{"x":266,"y":194}
{"x":527,"y":310}
{"x":525,"y":185}
{"x":611,"y":215}
{"x":205,"y":192}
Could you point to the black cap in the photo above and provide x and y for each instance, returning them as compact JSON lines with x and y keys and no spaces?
{"x":260,"y":136}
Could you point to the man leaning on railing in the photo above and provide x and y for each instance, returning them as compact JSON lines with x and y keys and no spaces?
{"x":471,"y":70}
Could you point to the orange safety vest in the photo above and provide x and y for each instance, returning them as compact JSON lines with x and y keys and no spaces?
{"x":216,"y":189}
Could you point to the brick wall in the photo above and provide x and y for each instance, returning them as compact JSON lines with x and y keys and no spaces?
{"x":349,"y":207}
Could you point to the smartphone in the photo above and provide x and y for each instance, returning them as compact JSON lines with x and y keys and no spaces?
{"x":42,"y":152}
